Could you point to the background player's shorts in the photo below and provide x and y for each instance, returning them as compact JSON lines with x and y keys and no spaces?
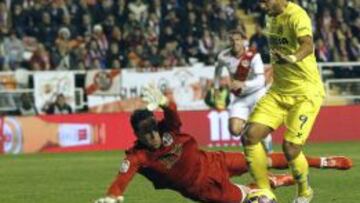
{"x":241,"y":107}
{"x":298,"y":113}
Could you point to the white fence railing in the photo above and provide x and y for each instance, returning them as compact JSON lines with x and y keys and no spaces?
{"x":341,"y":90}
{"x":326,"y":70}
{"x":351,"y":88}
{"x":9,"y":96}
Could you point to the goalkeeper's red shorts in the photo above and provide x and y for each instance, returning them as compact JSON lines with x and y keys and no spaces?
{"x":215,"y":186}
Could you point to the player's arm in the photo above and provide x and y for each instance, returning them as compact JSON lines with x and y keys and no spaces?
{"x":171,"y":118}
{"x":259,"y":80}
{"x":128,"y":168}
{"x":301,"y":25}
{"x":220,"y":64}
{"x":155,"y":98}
{"x":306,"y":47}
{"x":218,"y":71}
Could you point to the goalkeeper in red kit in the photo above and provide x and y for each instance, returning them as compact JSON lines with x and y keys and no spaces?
{"x":171,"y":159}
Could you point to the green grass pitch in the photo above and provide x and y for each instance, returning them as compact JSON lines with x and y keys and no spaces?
{"x":83,"y":177}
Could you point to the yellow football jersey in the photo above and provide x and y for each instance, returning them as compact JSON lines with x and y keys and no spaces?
{"x":283,"y":32}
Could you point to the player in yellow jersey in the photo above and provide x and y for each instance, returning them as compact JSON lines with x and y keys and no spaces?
{"x":294,"y":99}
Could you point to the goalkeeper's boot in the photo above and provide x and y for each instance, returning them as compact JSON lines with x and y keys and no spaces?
{"x":305,"y":199}
{"x":279,"y":180}
{"x":336,"y":162}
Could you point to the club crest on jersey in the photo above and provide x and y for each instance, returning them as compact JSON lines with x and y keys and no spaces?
{"x":245,"y":63}
{"x":167,"y":139}
{"x":124,"y":166}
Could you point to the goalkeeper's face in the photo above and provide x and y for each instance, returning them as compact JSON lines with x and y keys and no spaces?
{"x":148,"y":133}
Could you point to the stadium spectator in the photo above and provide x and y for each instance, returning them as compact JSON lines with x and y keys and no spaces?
{"x":26,"y":106}
{"x":86,"y":25}
{"x":172,"y":55}
{"x":5,"y":16}
{"x":67,"y":23}
{"x":222,"y":39}
{"x":100,"y":39}
{"x":169,"y":35}
{"x":193,"y":25}
{"x":20,"y":20}
{"x":13,"y":50}
{"x":259,"y":42}
{"x":46,"y":30}
{"x":115,"y":64}
{"x":154,"y":57}
{"x":191,"y":49}
{"x":135,"y":57}
{"x":58,"y":107}
{"x":138,"y":8}
{"x":40,"y":60}
{"x":2,"y":54}
{"x":154,"y":23}
{"x":94,"y":51}
{"x":322,"y":52}
{"x":208,"y":47}
{"x":121,"y":12}
{"x":63,"y":58}
{"x":354,"y":49}
{"x":117,"y":37}
{"x":113,"y":54}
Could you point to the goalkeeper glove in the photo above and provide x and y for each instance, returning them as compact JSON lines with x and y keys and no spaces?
{"x":153,"y":97}
{"x":118,"y":199}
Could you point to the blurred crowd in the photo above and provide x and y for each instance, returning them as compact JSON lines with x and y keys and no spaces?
{"x":116,"y":34}
{"x":93,"y":34}
{"x":336,"y":26}
{"x":104,"y":34}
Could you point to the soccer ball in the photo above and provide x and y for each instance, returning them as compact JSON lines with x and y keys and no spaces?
{"x":260,"y":196}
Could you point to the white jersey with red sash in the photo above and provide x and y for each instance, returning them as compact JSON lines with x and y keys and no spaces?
{"x":247,"y":68}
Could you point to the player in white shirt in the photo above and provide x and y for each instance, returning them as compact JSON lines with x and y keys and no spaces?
{"x":246,"y":71}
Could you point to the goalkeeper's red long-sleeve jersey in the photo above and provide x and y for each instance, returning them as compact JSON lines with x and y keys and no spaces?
{"x":178,"y":164}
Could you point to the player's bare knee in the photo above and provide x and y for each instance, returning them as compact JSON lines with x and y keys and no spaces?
{"x":291,"y":150}
{"x":235,"y":129}
{"x":250,"y":135}
{"x":236,"y":126}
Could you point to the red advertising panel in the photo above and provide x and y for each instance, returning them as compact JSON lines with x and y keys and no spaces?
{"x":88,"y":132}
{"x":340,"y":123}
{"x":78,"y":132}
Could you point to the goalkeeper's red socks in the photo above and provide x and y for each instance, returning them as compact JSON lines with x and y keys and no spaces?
{"x":336,"y":162}
{"x":278,"y":161}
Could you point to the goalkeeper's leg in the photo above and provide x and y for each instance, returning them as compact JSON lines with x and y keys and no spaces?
{"x":235,"y":163}
{"x":278,"y":161}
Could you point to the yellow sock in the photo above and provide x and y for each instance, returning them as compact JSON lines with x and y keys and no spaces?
{"x":257,"y":162}
{"x":300,"y":170}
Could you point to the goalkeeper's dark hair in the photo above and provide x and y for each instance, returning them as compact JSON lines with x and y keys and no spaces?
{"x":139,"y":115}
